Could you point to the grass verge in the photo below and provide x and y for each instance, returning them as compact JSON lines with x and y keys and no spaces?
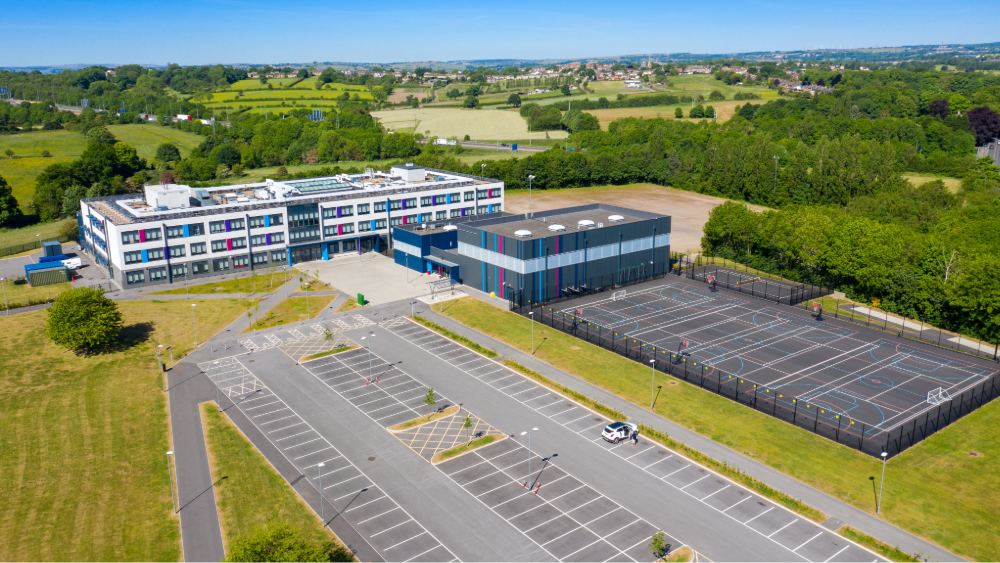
{"x":456,"y":337}
{"x":681,"y":555}
{"x":247,"y":283}
{"x":349,"y":305}
{"x":25,"y":235}
{"x":291,"y":310}
{"x":83,"y":470}
{"x":882,"y":548}
{"x":319,"y":355}
{"x":249,"y":492}
{"x":466,"y":447}
{"x":424,"y":419}
{"x":23,"y":295}
{"x":936,"y":489}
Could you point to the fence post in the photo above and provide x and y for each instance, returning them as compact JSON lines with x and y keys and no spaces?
{"x":795,"y":413}
{"x":861,"y":440}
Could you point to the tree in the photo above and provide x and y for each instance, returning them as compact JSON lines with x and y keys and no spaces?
{"x":279,"y":542}
{"x":471,"y":102}
{"x":678,"y":113}
{"x":658,"y":544}
{"x":84,"y":320}
{"x":564,"y":89}
{"x":9,"y":153}
{"x":429,"y":399}
{"x":939,"y":109}
{"x":603,"y":103}
{"x":168,"y":152}
{"x":10,"y":213}
{"x":985,"y":124}
{"x":709,"y":111}
{"x":514,"y":100}
{"x":716,"y":96}
{"x":302,"y":73}
{"x":697,"y":111}
{"x":102,"y":136}
{"x":328,"y":336}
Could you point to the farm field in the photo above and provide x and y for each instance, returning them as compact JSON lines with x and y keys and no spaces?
{"x":725,"y":110}
{"x":917,"y":178}
{"x":689,"y":210}
{"x":482,"y":124}
{"x":66,"y":146}
{"x":261,"y":98}
{"x":83,"y":470}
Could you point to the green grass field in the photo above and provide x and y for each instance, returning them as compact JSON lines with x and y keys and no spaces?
{"x":66,"y":146}
{"x":260,"y":98}
{"x":263,"y":282}
{"x":24,"y":235}
{"x":83,"y":470}
{"x":291,"y":310}
{"x":248,"y":490}
{"x":23,"y":295}
{"x":935,"y":489}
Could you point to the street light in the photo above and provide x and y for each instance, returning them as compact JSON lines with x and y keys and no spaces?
{"x":194,"y":324}
{"x":369,"y":338}
{"x":878,"y":505}
{"x":531,"y":319}
{"x":170,"y":474}
{"x":159,"y":362}
{"x":217,"y":402}
{"x":530,"y":178}
{"x":322,"y":515}
{"x":652,"y":382}
{"x":482,"y":170}
{"x":528,"y":432}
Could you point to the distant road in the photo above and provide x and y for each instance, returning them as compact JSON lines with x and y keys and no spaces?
{"x":494,"y":147}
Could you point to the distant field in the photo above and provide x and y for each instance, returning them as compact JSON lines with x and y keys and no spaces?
{"x":482,"y":124}
{"x":304,"y":95}
{"x":724,"y":109}
{"x":916,"y":178}
{"x":65,"y":146}
{"x":48,"y":231}
{"x":253,"y":83}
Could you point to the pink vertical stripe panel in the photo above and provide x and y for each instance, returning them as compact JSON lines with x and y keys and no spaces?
{"x":229,"y":244}
{"x":142,"y":236}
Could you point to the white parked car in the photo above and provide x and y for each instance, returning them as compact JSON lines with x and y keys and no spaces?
{"x":618,"y":431}
{"x":73,"y":263}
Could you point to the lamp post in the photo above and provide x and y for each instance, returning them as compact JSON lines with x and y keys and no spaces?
{"x":652,"y":381}
{"x":217,"y":402}
{"x":322,"y":514}
{"x":878,"y":505}
{"x":3,"y":282}
{"x":170,"y":474}
{"x":159,"y":364}
{"x":531,"y":319}
{"x":369,"y":338}
{"x":528,"y":432}
{"x":530,"y":178}
{"x":482,"y":170}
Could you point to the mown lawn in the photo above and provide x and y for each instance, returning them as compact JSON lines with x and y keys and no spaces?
{"x":24,"y":235}
{"x":83,"y":470}
{"x":22,"y":294}
{"x":935,"y":489}
{"x":291,"y":310}
{"x":248,"y":490}
{"x":244,"y":283}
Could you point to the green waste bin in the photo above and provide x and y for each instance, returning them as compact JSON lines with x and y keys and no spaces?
{"x":361,"y":299}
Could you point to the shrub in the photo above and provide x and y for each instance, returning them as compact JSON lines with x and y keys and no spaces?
{"x":84,"y":320}
{"x":278,"y":542}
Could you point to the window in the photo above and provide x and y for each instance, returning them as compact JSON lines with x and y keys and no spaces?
{"x":260,"y":258}
{"x":258,"y":240}
{"x":133,"y":257}
{"x":196,"y":229}
{"x":220,"y":265}
{"x":395,"y":221}
{"x":334,"y":247}
{"x":363,"y":209}
{"x":395,"y":204}
{"x":278,"y":255}
{"x":199,"y":268}
{"x":482,"y":209}
{"x":157,"y":274}
{"x":329,"y":212}
{"x":154,"y":254}
{"x":495,"y":192}
{"x":330,"y":231}
{"x":379,"y":223}
{"x":130,"y":237}
{"x":350,"y":245}
{"x":441,"y":215}
{"x":497,"y":208}
{"x":236,"y":224}
{"x":470,"y":196}
{"x":425,"y":202}
{"x":153,"y":234}
{"x":135,"y":277}
{"x":379,"y":207}
{"x":256,"y":222}
{"x":239,"y":242}
{"x":219,"y":246}
{"x":306,"y":234}
{"x":412,"y":219}
{"x":347,"y":211}
{"x":217,"y":227}
{"x":482,"y":193}
{"x":240,"y":262}
{"x":411,"y":203}
{"x":175,"y":231}
{"x":456,"y":213}
{"x":198,"y":248}
{"x":456,"y":197}
{"x":348,"y":228}
{"x":303,"y":216}
{"x":277,"y":220}
{"x":364,"y":226}
{"x":179,"y":270}
{"x":277,"y":237}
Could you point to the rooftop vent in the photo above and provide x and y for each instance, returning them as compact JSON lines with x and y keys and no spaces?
{"x":556,"y":227}
{"x":522,"y":233}
{"x":616,"y":218}
{"x":450,"y":228}
{"x":585,"y":224}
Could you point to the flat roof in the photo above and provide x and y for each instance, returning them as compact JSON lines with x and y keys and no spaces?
{"x":539,"y":225}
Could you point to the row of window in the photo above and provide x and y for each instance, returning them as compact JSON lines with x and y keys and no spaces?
{"x":196,"y":268}
{"x":198,"y":248}
{"x":198,"y":229}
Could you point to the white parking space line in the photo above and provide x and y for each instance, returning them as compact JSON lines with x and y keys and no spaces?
{"x":783,"y":527}
{"x":292,"y":436}
{"x":710,"y":494}
{"x":382,"y":514}
{"x":391,"y":527}
{"x":807,"y":541}
{"x":366,"y":503}
{"x":838,"y":553}
{"x":404,"y":541}
{"x":695,"y":481}
{"x":759,"y":515}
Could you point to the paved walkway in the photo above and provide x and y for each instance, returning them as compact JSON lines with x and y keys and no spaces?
{"x":840,"y":512}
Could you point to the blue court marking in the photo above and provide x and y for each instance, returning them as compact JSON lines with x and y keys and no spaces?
{"x":607,"y":318}
{"x":699,"y":298}
{"x":926,"y":365}
{"x":793,"y":327}
{"x":644,"y":307}
{"x":810,"y":398}
{"x":876,"y":381}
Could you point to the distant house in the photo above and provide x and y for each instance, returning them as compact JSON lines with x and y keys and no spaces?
{"x":633,"y":83}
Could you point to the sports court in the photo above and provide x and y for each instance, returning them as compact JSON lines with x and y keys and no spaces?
{"x":855,"y":380}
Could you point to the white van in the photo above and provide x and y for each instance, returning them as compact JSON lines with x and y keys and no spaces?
{"x":73,"y":263}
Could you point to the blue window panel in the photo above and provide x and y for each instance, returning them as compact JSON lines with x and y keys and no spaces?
{"x":187,"y":231}
{"x":288,"y":252}
{"x":267,"y":220}
{"x":326,"y":252}
{"x":166,"y":252}
{"x":227,"y":225}
{"x":338,"y":213}
{"x":145,"y":256}
{"x":448,"y":198}
{"x":373,"y":224}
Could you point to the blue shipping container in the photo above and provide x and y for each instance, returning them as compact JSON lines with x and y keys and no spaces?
{"x":36,"y":267}
{"x":57,"y":258}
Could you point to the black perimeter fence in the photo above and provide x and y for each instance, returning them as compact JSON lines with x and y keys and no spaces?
{"x":835,"y":426}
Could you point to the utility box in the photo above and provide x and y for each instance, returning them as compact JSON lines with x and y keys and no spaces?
{"x":52,"y":248}
{"x":48,"y":276}
{"x":361,"y":299}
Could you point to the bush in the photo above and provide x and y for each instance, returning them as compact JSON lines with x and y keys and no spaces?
{"x":84,"y":320}
{"x":278,"y":542}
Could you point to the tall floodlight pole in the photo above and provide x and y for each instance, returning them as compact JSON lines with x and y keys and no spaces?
{"x":482,"y":170}
{"x":530,"y":178}
{"x":531,"y":319}
{"x":322,"y":514}
{"x":878,"y":505}
{"x":528,"y":432}
{"x":652,"y":381}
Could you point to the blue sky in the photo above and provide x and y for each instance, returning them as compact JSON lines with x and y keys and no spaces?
{"x":229,"y":31}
